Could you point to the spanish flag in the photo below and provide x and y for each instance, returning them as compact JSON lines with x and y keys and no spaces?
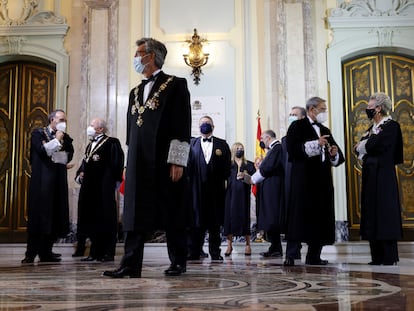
{"x":259,"y":151}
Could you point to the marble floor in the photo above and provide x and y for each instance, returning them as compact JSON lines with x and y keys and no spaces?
{"x":239,"y":283}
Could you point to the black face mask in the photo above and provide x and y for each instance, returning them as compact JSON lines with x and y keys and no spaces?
{"x":370,"y":113}
{"x":239,"y":153}
{"x":262,"y":145}
{"x":206,"y":128}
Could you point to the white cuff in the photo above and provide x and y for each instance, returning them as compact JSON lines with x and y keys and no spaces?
{"x":360,"y":148}
{"x":312,"y":148}
{"x":52,"y":146}
{"x":257,"y":177}
{"x":178,"y":153}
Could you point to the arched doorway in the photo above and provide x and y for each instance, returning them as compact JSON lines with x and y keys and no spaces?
{"x":363,"y":76}
{"x":27,"y":95}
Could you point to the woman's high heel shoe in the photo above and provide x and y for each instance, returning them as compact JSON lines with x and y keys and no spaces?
{"x":247,"y":251}
{"x":228,"y":251}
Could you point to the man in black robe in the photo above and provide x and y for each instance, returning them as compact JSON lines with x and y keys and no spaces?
{"x":209,"y":168}
{"x":312,"y":151}
{"x":158,"y":136}
{"x":51,"y":150}
{"x":270,"y":195}
{"x":101,"y":169}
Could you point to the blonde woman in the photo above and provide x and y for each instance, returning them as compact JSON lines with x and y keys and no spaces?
{"x":237,"y":208}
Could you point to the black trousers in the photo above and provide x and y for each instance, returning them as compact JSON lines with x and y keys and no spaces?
{"x":196,"y":241}
{"x":273,"y":236}
{"x":293,"y":249}
{"x":314,"y":252}
{"x":40,"y":244}
{"x":384,"y":251}
{"x":134,"y":248}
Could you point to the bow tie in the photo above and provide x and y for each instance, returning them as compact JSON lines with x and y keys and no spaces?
{"x":93,"y":139}
{"x":152,"y":78}
{"x":207,"y":139}
{"x":316,"y":123}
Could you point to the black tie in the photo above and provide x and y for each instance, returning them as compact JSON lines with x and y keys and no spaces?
{"x":207,"y":139}
{"x":93,"y":139}
{"x":317,"y":124}
{"x":152,"y":78}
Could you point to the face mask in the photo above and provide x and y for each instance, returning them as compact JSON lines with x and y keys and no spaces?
{"x":138,"y":66}
{"x":262,"y":145}
{"x":322,"y":117}
{"x":292,"y":119}
{"x":239,"y":153}
{"x":370,"y":113}
{"x":61,"y":126}
{"x":206,"y":128}
{"x":90,"y":131}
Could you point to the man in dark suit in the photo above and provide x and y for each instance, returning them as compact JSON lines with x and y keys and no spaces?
{"x":313,"y":152}
{"x":158,"y":136}
{"x":209,"y":168}
{"x":270,"y":195}
{"x":51,"y":150}
{"x":101,"y":169}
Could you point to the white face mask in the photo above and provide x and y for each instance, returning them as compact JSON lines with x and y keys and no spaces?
{"x":90,"y":131}
{"x":292,"y":119}
{"x":322,"y":117}
{"x":61,"y":126}
{"x":138,"y":66}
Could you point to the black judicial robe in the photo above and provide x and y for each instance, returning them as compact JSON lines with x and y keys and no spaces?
{"x":380,"y":202}
{"x":271,"y":194}
{"x":311,"y":214}
{"x":48,"y":206}
{"x":209,"y":186}
{"x":152,"y":201}
{"x":237,"y":208}
{"x":102,"y":168}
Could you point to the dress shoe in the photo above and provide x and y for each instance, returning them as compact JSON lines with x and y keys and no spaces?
{"x":248,"y":251}
{"x":270,"y":254}
{"x":56,"y":255}
{"x":374,"y":263}
{"x":389,"y":263}
{"x":122,"y":272}
{"x":107,"y":258}
{"x":175,"y":270}
{"x":228,"y":251}
{"x":49,"y":259}
{"x":193,"y":257}
{"x":203,"y":254}
{"x":289,"y":262}
{"x":28,"y":259}
{"x":217,"y":258}
{"x":316,"y":262}
{"x":89,"y":258}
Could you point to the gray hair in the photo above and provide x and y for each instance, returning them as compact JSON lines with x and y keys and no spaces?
{"x":102,"y":123}
{"x":313,"y":102}
{"x":156,"y":47}
{"x":270,"y":133}
{"x":301,"y":109}
{"x":52,"y":115}
{"x":382,"y":100}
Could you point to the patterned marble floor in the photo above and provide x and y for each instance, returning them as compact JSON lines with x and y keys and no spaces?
{"x":239,"y":283}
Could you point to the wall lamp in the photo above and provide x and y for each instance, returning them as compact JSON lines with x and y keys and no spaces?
{"x":195,"y":57}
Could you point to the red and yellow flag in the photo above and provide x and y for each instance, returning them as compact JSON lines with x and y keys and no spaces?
{"x":259,"y":151}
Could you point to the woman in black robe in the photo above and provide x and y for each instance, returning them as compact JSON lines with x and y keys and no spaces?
{"x":237,"y":206}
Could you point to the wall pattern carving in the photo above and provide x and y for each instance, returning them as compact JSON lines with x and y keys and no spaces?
{"x":374,"y":8}
{"x":29,"y":14}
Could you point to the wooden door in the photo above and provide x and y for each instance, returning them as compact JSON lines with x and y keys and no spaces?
{"x":27,"y":95}
{"x":394,"y":75}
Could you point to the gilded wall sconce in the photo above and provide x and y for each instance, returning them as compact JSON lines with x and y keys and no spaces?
{"x":196,"y":57}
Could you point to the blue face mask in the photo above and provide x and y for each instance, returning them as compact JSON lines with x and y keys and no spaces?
{"x":206,"y":128}
{"x":138,"y":66}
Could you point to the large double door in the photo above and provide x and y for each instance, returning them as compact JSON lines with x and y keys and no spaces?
{"x":394,"y":75}
{"x":27,"y":95}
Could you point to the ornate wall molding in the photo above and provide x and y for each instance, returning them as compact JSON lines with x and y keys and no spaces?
{"x":374,"y":8}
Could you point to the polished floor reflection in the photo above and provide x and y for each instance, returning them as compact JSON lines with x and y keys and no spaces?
{"x":239,"y":283}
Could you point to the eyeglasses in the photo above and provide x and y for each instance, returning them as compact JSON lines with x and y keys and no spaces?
{"x":140,"y":53}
